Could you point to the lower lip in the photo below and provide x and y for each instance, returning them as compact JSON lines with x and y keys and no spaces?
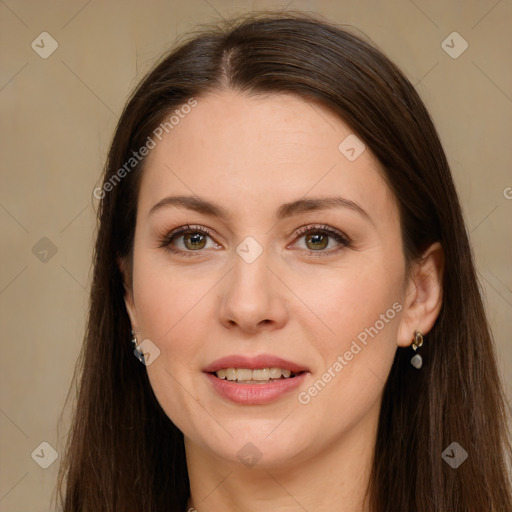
{"x":255,"y":394}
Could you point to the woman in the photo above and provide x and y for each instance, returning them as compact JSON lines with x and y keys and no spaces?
{"x":280,"y":238}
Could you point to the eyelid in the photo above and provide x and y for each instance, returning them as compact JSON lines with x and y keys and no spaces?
{"x":188,"y":227}
{"x":323,"y":228}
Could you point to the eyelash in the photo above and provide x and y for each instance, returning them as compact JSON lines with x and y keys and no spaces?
{"x":340,"y":237}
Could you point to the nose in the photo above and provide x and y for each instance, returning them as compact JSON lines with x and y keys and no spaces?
{"x":253,"y":298}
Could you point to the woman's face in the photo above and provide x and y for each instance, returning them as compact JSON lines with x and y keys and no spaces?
{"x":293,"y":261}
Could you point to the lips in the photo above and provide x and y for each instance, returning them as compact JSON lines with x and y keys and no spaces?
{"x":251,"y":392}
{"x":253,"y":363}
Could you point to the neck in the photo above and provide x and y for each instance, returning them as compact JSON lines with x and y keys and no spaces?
{"x":335,"y":478}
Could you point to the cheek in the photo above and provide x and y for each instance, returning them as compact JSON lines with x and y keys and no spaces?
{"x":166,"y":298}
{"x":351,"y":301}
{"x":363,"y":309}
{"x":173,"y":308}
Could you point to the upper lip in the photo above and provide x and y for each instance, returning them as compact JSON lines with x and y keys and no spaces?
{"x":253,"y":363}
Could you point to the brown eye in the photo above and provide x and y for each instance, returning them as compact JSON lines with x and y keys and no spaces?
{"x":189,"y":241}
{"x":317,"y":241}
{"x":321,"y":240}
{"x":194,"y":241}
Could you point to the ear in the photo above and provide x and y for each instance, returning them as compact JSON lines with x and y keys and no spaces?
{"x":424,"y":295}
{"x":128,"y":294}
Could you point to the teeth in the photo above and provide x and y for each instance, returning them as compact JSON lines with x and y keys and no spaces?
{"x":244,"y":374}
{"x":263,"y":374}
{"x":275,"y":373}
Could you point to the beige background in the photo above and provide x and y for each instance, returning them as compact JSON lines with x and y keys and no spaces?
{"x":58,"y":115}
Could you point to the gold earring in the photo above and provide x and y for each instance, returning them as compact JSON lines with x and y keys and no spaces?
{"x":417,"y":341}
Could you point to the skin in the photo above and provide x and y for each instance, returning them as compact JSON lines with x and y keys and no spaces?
{"x":250,"y":155}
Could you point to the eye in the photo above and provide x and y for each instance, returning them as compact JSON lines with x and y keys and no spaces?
{"x":319,"y":238}
{"x":188,"y":239}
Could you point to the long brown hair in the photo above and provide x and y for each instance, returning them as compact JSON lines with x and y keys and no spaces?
{"x":124,"y":453}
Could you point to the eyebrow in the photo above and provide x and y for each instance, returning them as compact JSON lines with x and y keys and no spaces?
{"x":286,"y":210}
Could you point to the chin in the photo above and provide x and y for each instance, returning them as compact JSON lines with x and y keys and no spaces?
{"x":261,"y":445}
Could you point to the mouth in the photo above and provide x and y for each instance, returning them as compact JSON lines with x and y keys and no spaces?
{"x":255,"y":376}
{"x":254,"y":380}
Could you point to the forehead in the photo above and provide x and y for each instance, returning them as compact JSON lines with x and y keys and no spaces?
{"x":259,"y":150}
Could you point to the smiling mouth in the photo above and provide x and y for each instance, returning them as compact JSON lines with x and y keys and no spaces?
{"x":256,"y":376}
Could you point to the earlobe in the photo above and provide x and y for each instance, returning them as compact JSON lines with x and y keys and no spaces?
{"x":424,"y":295}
